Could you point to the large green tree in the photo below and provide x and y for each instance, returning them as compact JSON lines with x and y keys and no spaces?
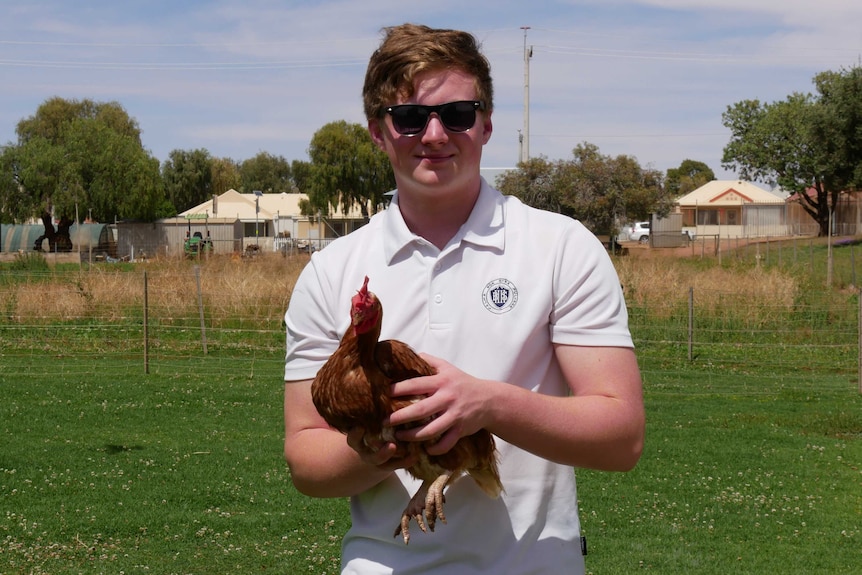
{"x":599,"y":190}
{"x":300,"y":173}
{"x":689,"y":176}
{"x":535,"y":183}
{"x":13,"y":203}
{"x":80,"y":155}
{"x":267,"y":173}
{"x":225,"y":175}
{"x":809,"y":144}
{"x":347,"y":169}
{"x":188,"y":178}
{"x":605,"y":190}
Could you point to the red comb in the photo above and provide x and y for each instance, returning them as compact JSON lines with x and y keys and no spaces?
{"x":361,"y":295}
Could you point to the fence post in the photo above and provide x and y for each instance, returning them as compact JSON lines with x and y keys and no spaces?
{"x":146,"y":326}
{"x":690,"y":323}
{"x":810,"y":256}
{"x":201,"y":308}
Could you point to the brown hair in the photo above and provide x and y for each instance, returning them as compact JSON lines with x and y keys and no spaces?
{"x":410,"y":49}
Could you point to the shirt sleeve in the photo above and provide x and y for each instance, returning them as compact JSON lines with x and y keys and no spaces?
{"x":589,"y":308}
{"x":312,"y":332}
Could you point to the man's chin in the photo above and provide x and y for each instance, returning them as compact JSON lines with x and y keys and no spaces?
{"x":440,"y":177}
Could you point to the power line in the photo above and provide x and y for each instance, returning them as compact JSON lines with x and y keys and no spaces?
{"x":73,"y":65}
{"x":628,"y":136}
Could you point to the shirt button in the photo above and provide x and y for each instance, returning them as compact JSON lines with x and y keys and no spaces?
{"x":438,"y":298}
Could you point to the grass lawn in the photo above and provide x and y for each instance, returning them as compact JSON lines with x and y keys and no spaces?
{"x":753,"y":460}
{"x":739,"y":475}
{"x":180,"y":471}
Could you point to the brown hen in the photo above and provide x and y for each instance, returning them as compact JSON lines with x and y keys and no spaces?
{"x":352,"y":390}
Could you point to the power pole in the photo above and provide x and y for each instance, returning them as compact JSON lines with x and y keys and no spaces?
{"x":525,"y":136}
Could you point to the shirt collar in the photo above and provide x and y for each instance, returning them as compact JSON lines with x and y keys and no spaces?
{"x":484,"y":227}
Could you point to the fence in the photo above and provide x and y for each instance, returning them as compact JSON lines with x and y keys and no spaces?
{"x":229,"y":313}
{"x":723,"y":331}
{"x":762,"y":219}
{"x":799,"y":252}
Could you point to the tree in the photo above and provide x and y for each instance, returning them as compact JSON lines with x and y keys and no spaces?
{"x":808,"y":144}
{"x":53,"y":116}
{"x":838,"y":128}
{"x":596,"y":189}
{"x":300,"y":172}
{"x":689,"y":176}
{"x":80,"y":155}
{"x":534,"y":183}
{"x":188,"y":178}
{"x":606,"y":190}
{"x":347,"y":169}
{"x":225,"y":175}
{"x":267,"y":173}
{"x":11,"y":198}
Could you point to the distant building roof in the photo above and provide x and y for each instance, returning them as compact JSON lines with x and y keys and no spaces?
{"x":233,"y":204}
{"x":726,"y":193}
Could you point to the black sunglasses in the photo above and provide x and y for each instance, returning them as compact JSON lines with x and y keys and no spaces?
{"x":411,"y":119}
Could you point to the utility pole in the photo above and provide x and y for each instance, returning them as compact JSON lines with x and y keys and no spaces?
{"x":524,"y":137}
{"x":520,"y":146}
{"x":257,"y":195}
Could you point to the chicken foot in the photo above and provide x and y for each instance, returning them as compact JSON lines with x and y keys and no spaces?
{"x":426,"y":507}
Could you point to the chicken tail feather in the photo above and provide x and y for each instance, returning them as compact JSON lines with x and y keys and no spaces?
{"x":488,"y":480}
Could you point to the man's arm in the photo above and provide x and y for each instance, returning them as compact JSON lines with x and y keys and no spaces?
{"x":600,"y":425}
{"x":322,"y":462}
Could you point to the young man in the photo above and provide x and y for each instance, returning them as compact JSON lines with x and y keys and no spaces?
{"x":519,"y":310}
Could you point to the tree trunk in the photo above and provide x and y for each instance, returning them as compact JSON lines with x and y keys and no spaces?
{"x":59,"y":240}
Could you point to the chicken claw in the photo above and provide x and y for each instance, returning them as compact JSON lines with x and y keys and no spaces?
{"x":426,"y":507}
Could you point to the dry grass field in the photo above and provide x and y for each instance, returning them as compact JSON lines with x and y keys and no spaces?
{"x":253,"y":287}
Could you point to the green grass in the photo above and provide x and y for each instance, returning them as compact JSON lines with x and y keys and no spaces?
{"x":739,"y":475}
{"x":180,"y":471}
{"x":165,"y":473}
{"x":753,"y":460}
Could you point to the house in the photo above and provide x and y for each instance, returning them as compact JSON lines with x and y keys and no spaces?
{"x":278,"y":215}
{"x":737,"y":209}
{"x":238,"y":222}
{"x":260,"y":218}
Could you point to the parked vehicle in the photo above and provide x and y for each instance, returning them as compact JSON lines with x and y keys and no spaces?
{"x":639,"y":232}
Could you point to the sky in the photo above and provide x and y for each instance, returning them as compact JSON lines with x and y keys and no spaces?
{"x":648,"y":79}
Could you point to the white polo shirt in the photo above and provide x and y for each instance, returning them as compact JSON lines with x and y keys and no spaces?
{"x":512,"y":282}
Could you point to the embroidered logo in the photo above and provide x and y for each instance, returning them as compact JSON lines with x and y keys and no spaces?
{"x":500,"y":296}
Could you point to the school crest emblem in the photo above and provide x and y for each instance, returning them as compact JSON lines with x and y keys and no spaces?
{"x":499,"y":296}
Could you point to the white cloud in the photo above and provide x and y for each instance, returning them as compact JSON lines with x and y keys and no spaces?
{"x":646,"y":78}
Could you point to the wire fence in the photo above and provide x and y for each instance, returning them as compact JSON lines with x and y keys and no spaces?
{"x":114,"y":320}
{"x":723,"y":332}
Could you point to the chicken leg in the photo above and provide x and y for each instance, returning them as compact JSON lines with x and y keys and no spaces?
{"x":426,"y":507}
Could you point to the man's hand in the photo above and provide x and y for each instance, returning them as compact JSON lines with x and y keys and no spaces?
{"x":377,"y":452}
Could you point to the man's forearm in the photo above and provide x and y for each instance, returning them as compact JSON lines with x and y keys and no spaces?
{"x":323,"y":465}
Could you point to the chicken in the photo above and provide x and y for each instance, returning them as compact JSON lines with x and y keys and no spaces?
{"x":352,"y":390}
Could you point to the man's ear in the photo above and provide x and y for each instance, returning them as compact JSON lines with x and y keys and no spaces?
{"x":487,"y":127}
{"x":376,"y":131}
